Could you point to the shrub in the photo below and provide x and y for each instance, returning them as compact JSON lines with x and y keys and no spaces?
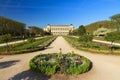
{"x":86,"y":38}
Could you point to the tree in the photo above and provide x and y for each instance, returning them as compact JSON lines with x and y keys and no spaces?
{"x":81,"y":30}
{"x":6,"y":38}
{"x":113,"y":36}
{"x":74,"y":32}
{"x":36,"y":30}
{"x":116,"y":18}
{"x":85,"y":39}
{"x":9,"y":26}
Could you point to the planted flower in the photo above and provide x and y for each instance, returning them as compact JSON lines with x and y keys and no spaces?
{"x":50,"y":63}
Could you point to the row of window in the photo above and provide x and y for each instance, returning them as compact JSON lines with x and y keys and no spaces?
{"x":59,"y":28}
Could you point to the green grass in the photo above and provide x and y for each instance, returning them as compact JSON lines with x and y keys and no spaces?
{"x":28,"y":47}
{"x":103,"y":39}
{"x":92,"y":47}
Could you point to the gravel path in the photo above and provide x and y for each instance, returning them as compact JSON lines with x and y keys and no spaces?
{"x":16,"y":67}
{"x":19,"y":41}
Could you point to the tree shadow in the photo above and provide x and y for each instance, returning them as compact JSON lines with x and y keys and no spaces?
{"x":8,"y":63}
{"x":30,"y":75}
{"x":48,"y":47}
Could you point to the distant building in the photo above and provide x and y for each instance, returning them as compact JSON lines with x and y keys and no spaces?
{"x":59,"y":29}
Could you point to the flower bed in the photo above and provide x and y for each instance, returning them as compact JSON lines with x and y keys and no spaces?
{"x":60,"y":63}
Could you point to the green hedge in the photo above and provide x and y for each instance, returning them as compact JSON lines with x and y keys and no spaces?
{"x":60,"y":63}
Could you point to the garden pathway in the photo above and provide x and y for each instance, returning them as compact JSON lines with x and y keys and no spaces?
{"x":15,"y":42}
{"x":16,"y":67}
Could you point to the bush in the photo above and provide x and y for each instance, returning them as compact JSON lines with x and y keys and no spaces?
{"x":86,"y":38}
{"x":60,"y":63}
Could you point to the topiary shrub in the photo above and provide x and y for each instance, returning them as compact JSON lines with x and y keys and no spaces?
{"x":60,"y":63}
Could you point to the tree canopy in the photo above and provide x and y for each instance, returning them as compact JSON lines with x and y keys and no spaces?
{"x":116,"y":18}
{"x":81,"y":30}
{"x":9,"y":26}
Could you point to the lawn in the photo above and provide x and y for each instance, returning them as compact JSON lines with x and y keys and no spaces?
{"x":92,"y":47}
{"x":27,"y":46}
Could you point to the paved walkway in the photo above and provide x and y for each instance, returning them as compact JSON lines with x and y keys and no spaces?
{"x":16,"y":67}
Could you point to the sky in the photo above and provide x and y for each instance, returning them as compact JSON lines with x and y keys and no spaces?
{"x":59,"y":12}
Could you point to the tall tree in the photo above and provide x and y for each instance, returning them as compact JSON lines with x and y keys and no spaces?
{"x":116,"y":18}
{"x":81,"y":30}
{"x":36,"y":30}
{"x":9,"y":26}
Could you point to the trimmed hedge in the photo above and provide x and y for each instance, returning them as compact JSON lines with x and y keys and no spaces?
{"x":60,"y":63}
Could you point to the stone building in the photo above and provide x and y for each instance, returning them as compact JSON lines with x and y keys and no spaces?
{"x":59,"y":29}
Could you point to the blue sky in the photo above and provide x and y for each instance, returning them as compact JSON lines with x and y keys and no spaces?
{"x":43,"y":12}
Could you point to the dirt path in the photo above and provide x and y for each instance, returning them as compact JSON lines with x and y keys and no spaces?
{"x":16,"y":67}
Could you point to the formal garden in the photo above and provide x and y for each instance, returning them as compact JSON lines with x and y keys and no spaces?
{"x":85,"y":43}
{"x":30,"y":45}
{"x":54,"y":63}
{"x":15,"y":31}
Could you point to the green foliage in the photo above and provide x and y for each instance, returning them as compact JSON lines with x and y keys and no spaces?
{"x":5,"y":38}
{"x":9,"y":26}
{"x":36,"y":31}
{"x":75,"y":42}
{"x":68,"y":63}
{"x":113,"y":36}
{"x":74,"y":32}
{"x":116,"y":18}
{"x":81,"y":30}
{"x":86,"y":38}
{"x":100,"y":24}
{"x":31,"y":40}
{"x":78,"y":32}
{"x":28,"y":47}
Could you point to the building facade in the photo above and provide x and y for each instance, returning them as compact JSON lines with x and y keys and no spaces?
{"x":59,"y":29}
